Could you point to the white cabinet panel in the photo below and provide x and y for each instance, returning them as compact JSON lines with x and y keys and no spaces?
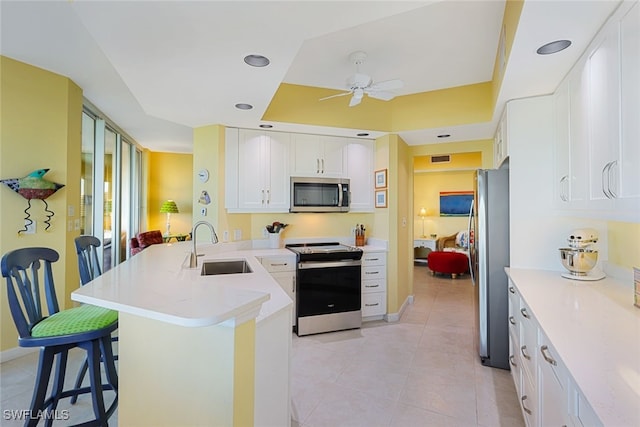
{"x":360,"y":161}
{"x":317,"y":155}
{"x":283,"y":270}
{"x":374,"y":285}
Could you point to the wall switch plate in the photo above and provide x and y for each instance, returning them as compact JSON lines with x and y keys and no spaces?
{"x":203,"y":211}
{"x":30,"y":228}
{"x":71,"y":211}
{"x":225,"y":236}
{"x":404,"y":221}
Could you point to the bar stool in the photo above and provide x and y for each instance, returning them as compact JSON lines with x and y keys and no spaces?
{"x":88,"y":327}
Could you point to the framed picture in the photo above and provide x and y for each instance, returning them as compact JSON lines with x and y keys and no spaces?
{"x":381,"y":178}
{"x":381,"y":198}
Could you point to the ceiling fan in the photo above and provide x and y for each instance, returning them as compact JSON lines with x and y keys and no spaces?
{"x":360,"y":84}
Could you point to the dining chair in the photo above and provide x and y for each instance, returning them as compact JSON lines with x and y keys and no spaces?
{"x":29,"y":276}
{"x":89,"y":269}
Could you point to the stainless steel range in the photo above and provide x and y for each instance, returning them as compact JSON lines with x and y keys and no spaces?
{"x":328,"y":287}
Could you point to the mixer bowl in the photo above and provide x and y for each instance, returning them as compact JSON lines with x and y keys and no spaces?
{"x":579,"y":261}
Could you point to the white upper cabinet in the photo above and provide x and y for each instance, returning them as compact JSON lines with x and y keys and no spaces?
{"x":260,"y":182}
{"x":360,"y":161}
{"x":501,"y":140}
{"x":598,"y":127}
{"x":316,"y":155}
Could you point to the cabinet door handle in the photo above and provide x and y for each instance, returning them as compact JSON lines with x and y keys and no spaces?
{"x":262,"y":201}
{"x":523,"y":350}
{"x":527,"y":410}
{"x":512,"y":289}
{"x":317,"y":165}
{"x":322,"y":169}
{"x":512,"y":320}
{"x":293,"y":286}
{"x":610,"y":171}
{"x":563,"y":188}
{"x":545,"y":350}
{"x":606,"y":180}
{"x":511,"y":360}
{"x":524,"y":313}
{"x":268,"y":196}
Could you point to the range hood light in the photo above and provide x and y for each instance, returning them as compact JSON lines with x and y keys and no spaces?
{"x":266,"y":126}
{"x":553,"y":47}
{"x":362,"y":134}
{"x":444,"y":135}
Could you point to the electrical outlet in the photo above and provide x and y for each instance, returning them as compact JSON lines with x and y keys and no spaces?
{"x":203,"y":211}
{"x":237,"y":234}
{"x":31,"y":228}
{"x":76,"y":224}
{"x":225,"y":236}
{"x":404,"y":221}
{"x":71,"y":210}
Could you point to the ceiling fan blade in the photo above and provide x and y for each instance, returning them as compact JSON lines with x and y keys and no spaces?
{"x":355,"y":100}
{"x":382,"y":95}
{"x":335,"y":96}
{"x":387,"y":85}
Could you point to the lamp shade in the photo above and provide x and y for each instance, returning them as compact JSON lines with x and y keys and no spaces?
{"x":422,"y":213}
{"x":169,"y":207}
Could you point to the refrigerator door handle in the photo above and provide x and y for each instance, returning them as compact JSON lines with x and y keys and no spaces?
{"x":471,"y":244}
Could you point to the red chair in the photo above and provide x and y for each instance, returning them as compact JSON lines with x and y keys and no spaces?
{"x":145,"y":239}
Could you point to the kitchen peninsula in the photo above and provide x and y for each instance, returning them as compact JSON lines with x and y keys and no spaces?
{"x":194,"y":349}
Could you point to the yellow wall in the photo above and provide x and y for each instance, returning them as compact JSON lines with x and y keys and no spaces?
{"x":510,"y":19}
{"x":40,"y":127}
{"x":426,"y":194}
{"x":624,"y":246}
{"x":170,"y":178}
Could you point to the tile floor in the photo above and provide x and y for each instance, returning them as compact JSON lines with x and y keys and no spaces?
{"x":420,"y":371}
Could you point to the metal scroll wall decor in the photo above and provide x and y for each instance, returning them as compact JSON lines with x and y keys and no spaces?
{"x":34,"y":186}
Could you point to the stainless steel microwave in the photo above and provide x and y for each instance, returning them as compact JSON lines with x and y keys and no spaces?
{"x":320,"y":194}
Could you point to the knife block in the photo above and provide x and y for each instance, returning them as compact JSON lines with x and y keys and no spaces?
{"x":359,"y":240}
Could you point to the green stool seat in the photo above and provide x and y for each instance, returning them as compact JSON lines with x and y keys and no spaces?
{"x":73,"y":321}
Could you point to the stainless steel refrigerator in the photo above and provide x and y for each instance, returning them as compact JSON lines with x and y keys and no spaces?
{"x":488,"y":256}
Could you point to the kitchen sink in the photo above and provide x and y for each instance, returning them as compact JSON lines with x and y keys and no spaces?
{"x":211,"y":268}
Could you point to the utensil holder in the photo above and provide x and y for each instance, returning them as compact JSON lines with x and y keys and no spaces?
{"x":274,"y":240}
{"x":359,"y":240}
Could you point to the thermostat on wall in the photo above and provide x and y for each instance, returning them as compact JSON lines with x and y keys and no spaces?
{"x":203,"y":175}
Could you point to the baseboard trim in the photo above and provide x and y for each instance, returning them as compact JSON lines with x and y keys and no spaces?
{"x":14,"y":353}
{"x":394,"y":317}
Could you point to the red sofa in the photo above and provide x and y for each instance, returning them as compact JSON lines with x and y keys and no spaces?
{"x":144,"y":240}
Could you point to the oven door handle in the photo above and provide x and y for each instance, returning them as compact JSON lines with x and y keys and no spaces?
{"x":305,"y":265}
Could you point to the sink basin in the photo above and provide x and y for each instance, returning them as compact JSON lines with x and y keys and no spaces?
{"x":238,"y":266}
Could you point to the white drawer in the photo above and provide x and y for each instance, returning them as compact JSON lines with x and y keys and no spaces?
{"x":279,"y":263}
{"x":375,"y":285}
{"x":375,"y":272}
{"x":374,"y":304}
{"x":374,"y":258}
{"x":528,"y":340}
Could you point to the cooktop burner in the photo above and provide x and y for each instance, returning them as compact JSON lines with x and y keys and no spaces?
{"x":327,"y":250}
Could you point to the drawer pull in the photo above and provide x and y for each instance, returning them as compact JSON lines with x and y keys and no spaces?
{"x":523,"y":350}
{"x":512,"y":290}
{"x":371,"y":259}
{"x":544,"y":350}
{"x":371,"y":305}
{"x":372,"y":272}
{"x":371,"y":286}
{"x":281,"y":264}
{"x":527,"y":410}
{"x":524,"y":313}
{"x":511,"y":360}
{"x":512,"y":320}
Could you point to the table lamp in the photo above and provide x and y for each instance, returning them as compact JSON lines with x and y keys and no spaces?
{"x":422,"y":214}
{"x":169,"y":207}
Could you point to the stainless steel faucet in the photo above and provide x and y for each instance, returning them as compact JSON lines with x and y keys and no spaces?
{"x":193,"y":259}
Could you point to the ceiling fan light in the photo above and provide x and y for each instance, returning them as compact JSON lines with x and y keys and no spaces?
{"x":257,"y":60}
{"x":553,"y":47}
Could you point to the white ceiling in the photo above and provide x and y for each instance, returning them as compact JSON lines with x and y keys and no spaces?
{"x":160,"y":68}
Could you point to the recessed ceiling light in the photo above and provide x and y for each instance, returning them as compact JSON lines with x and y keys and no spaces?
{"x":266,"y":126}
{"x":243,"y":106}
{"x":362,"y":134}
{"x":444,"y":135}
{"x":553,"y":47}
{"x":256,"y":60}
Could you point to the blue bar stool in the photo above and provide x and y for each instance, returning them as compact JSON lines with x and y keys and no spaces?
{"x":28,"y":271}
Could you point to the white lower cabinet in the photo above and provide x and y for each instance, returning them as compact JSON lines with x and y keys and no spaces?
{"x":548,"y":395}
{"x":374,"y":285}
{"x":283,"y":270}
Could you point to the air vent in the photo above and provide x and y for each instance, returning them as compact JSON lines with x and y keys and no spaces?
{"x":441,"y":159}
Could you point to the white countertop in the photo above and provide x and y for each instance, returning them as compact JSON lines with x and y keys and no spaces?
{"x":156,"y":284}
{"x":595,"y":329}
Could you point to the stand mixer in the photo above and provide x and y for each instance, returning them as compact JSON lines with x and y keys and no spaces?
{"x":579,"y":258}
